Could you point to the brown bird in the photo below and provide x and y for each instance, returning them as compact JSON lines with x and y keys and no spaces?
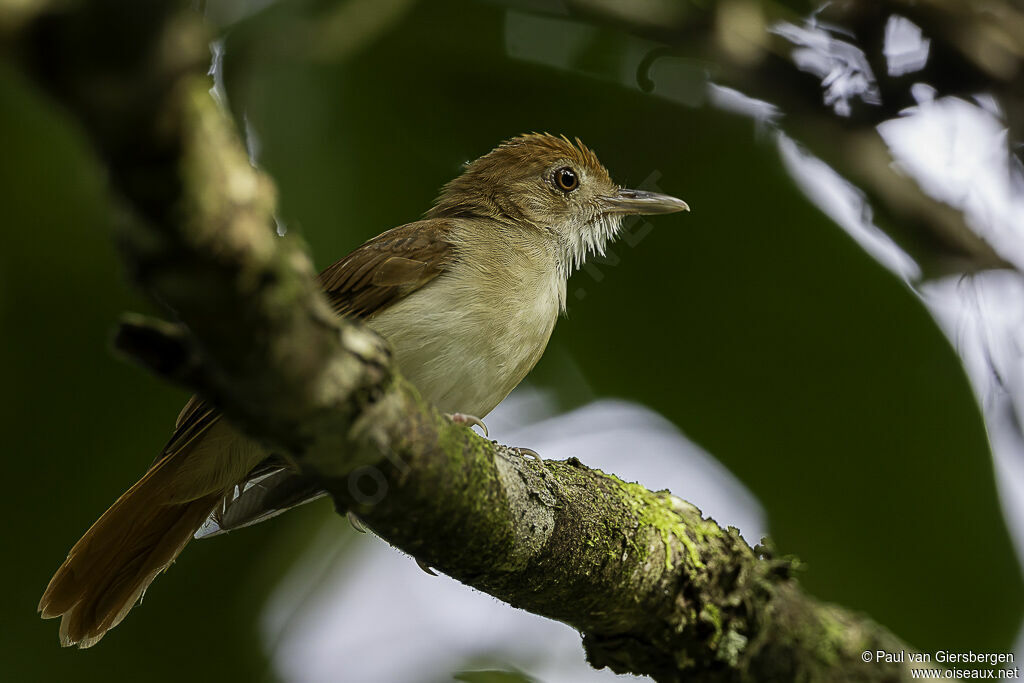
{"x":467,"y":298}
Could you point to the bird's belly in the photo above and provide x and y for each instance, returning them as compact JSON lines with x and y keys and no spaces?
{"x":463,"y":357}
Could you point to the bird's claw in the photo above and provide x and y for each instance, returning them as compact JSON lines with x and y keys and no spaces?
{"x":425,"y":567}
{"x":356,"y":523}
{"x":524,"y":452}
{"x":463,"y":419}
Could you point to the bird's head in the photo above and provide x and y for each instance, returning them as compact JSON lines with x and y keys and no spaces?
{"x":553,"y":185}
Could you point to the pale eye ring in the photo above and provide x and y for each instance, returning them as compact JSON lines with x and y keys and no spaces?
{"x":566,"y":179}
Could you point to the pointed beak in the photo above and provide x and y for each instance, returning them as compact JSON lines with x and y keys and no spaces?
{"x":642,"y":203}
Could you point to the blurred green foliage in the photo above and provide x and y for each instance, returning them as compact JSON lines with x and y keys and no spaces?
{"x":754,"y":324}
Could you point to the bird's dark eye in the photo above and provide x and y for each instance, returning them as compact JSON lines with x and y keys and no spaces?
{"x":566,"y":179}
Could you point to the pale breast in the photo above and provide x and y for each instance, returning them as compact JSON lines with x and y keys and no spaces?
{"x":466,"y":346}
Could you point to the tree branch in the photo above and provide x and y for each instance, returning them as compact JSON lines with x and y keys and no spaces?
{"x":654,"y":587}
{"x":975,"y":48}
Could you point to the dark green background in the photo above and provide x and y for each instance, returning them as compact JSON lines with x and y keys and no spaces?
{"x":754,"y":324}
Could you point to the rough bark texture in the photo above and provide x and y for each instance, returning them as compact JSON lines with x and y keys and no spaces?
{"x":653,"y":586}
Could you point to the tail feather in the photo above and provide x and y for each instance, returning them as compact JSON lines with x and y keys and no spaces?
{"x":143,"y":532}
{"x":110,"y":568}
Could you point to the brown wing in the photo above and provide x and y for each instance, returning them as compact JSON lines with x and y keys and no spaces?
{"x":195,"y":418}
{"x":375,"y":275}
{"x":388,"y":267}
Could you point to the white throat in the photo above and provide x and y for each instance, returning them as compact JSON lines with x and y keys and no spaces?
{"x":578,"y":242}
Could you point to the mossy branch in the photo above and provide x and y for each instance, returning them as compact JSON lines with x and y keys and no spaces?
{"x":654,"y":587}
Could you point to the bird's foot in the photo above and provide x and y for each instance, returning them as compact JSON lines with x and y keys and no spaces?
{"x":425,"y":567}
{"x":527,"y":452}
{"x":356,"y":523}
{"x":463,"y":419}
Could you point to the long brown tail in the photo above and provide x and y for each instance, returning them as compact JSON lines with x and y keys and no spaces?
{"x":141,"y":534}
